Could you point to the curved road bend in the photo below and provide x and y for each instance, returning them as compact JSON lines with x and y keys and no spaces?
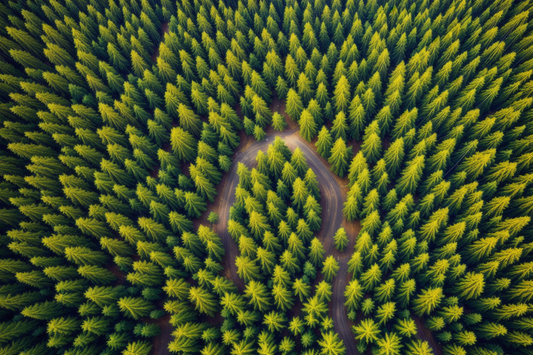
{"x":332,"y":205}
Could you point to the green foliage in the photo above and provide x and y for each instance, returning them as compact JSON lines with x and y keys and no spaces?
{"x":341,"y":239}
{"x":118,"y":120}
{"x":213,"y":217}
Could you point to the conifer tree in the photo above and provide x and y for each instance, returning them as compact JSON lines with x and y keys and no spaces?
{"x":316,"y":252}
{"x":183,"y":144}
{"x":294,"y":104}
{"x":258,"y":295}
{"x":204,"y":301}
{"x":340,"y":155}
{"x":330,"y":267}
{"x":341,"y":95}
{"x":341,"y":240}
{"x":308,"y":125}
{"x":135,"y":307}
{"x":189,"y":120}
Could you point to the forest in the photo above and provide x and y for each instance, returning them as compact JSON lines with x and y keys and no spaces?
{"x":272,"y":177}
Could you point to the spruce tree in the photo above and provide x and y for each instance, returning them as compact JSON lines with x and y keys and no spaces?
{"x":307,"y":125}
{"x":341,"y":240}
{"x":324,"y":143}
{"x":340,"y":155}
{"x":182,"y":144}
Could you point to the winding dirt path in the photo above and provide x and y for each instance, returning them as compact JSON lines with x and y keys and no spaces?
{"x":332,"y":219}
{"x":332,"y":198}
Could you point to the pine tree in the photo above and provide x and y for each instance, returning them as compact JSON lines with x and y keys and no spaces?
{"x":308,"y":125}
{"x":427,"y":300}
{"x":341,"y":240}
{"x":85,"y":256}
{"x":316,"y":252}
{"x":339,"y":128}
{"x":183,"y":144}
{"x":340,"y":155}
{"x":135,"y":307}
{"x":411,"y":176}
{"x":331,"y":344}
{"x":44,"y":310}
{"x":367,"y":331}
{"x":278,"y":122}
{"x":294,"y":104}
{"x":371,"y":148}
{"x":330,"y":267}
{"x":299,"y":194}
{"x":203,"y":301}
{"x":258,"y":295}
{"x":96,"y":274}
{"x":341,"y":95}
{"x":194,"y":205}
{"x":353,"y":295}
{"x":188,"y":120}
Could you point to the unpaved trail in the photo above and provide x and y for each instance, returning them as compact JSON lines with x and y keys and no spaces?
{"x":332,"y":199}
{"x":332,"y":219}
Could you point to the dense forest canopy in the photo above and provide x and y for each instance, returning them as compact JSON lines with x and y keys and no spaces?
{"x":126,"y":126}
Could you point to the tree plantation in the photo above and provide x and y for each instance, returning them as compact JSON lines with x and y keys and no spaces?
{"x":272,"y":177}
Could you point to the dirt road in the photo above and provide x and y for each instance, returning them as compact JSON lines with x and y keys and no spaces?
{"x":331,"y":202}
{"x":332,"y":218}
